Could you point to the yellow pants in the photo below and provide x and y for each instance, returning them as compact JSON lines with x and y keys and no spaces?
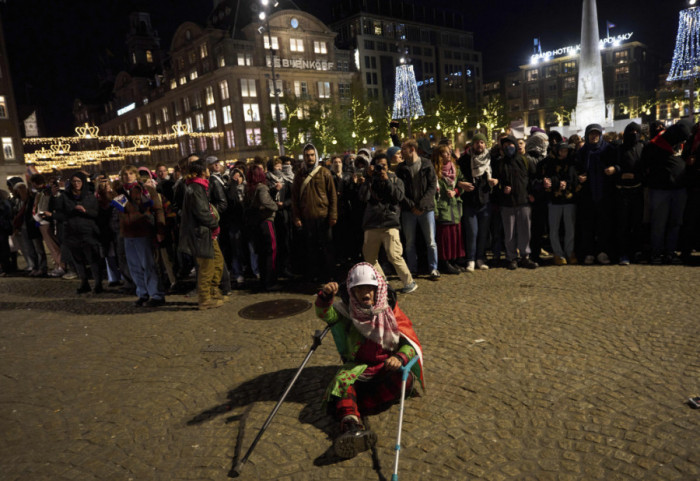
{"x":209,"y":276}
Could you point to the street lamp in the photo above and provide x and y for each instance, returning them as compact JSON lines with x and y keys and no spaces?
{"x":263,"y":16}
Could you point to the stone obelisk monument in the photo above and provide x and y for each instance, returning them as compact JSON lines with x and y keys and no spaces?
{"x":590,"y":107}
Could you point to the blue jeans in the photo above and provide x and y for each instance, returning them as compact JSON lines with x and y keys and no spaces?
{"x":666,"y":208}
{"x":476,"y":221}
{"x":567,"y":213}
{"x":139,"y":257}
{"x":426,"y":221}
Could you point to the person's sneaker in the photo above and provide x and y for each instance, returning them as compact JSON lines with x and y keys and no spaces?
{"x":408,"y":288}
{"x":528,"y":263}
{"x":624,"y":261}
{"x":220,"y":295}
{"x":434,"y":275}
{"x":482,"y":265}
{"x":512,"y":265}
{"x":470,"y":266}
{"x":69,"y":275}
{"x":656,"y":260}
{"x":603,"y":258}
{"x":559,"y":261}
{"x":141,"y":301}
{"x":57,"y":272}
{"x":354,"y":440}
{"x":589,"y":260}
{"x":156,"y":302}
{"x":210,"y":304}
{"x":450,"y":269}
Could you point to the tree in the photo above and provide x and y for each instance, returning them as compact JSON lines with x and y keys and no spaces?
{"x":492,"y":117}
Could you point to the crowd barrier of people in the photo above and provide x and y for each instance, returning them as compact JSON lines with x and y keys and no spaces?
{"x":600,"y":199}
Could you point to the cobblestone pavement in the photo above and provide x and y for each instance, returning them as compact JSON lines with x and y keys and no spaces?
{"x":555,"y":374}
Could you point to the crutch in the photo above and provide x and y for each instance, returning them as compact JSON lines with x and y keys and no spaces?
{"x":405,"y":370}
{"x":318,"y":337}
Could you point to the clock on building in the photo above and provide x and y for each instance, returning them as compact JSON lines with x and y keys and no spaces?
{"x":294,"y":23}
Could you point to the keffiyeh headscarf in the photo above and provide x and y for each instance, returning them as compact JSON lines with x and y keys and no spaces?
{"x":376,"y":323}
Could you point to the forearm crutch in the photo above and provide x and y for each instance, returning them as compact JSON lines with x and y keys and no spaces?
{"x":405,"y":371}
{"x":318,"y":337}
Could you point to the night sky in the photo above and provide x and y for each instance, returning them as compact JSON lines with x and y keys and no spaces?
{"x":59,"y":50}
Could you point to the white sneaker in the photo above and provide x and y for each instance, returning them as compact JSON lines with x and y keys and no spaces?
{"x":603,"y":258}
{"x":240,"y":280}
{"x":57,"y":272}
{"x":482,"y":266}
{"x":470,"y":266}
{"x":589,"y":260}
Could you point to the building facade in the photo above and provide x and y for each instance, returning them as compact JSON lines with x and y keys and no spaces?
{"x":433,"y":40}
{"x":11,"y":155}
{"x":543,"y":92}
{"x":215,"y":82}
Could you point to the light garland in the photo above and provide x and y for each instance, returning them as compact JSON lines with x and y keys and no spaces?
{"x":87,"y":132}
{"x":117,"y":138}
{"x":407,"y":103}
{"x":686,"y":55}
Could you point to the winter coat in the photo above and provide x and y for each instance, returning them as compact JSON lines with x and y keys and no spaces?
{"x":382,"y":199}
{"x":259,"y":205}
{"x":217,"y":196}
{"x":197,"y":223}
{"x":137,"y":222}
{"x":557,"y":171}
{"x":515,"y":172}
{"x":448,"y":210}
{"x":80,"y":228}
{"x":592,"y":161}
{"x":318,"y":199}
{"x":424,"y":197}
{"x":481,"y":194}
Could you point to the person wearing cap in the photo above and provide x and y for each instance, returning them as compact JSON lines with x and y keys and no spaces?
{"x":314,"y":213}
{"x":557,"y":174}
{"x":595,"y":165}
{"x":665,"y":172}
{"x":418,"y":206}
{"x":393,"y":154}
{"x":382,"y":194}
{"x":514,"y":173}
{"x":77,"y":208}
{"x":374,"y":339}
{"x":476,"y":198}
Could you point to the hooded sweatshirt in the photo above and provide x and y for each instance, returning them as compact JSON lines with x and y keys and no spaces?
{"x":629,"y":161}
{"x":593,"y":159}
{"x":663,"y":168}
{"x":317,"y":198}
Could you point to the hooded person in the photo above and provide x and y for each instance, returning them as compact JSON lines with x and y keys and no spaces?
{"x":374,"y":339}
{"x":314,"y":213}
{"x":595,"y":165}
{"x":665,"y":172}
{"x":537,"y":148}
{"x":515,"y":173}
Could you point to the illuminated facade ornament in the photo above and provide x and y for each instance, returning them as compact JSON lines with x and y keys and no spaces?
{"x":180,"y":129}
{"x":407,"y":102}
{"x":142,"y":142}
{"x":87,"y":131}
{"x":686,"y":56}
{"x":60,"y":148}
{"x":43,"y":154}
{"x":112,"y":150}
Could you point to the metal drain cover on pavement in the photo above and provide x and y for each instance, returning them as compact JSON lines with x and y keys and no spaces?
{"x":274,"y":309}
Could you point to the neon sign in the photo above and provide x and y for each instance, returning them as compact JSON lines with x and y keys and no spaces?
{"x":126,"y":109}
{"x":574,"y":49}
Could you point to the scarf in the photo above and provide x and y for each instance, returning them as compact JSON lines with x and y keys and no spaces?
{"x":275,"y":176}
{"x":449,"y":173}
{"x":198,"y":180}
{"x":377,"y":323}
{"x":288,"y":173}
{"x":481,"y":163}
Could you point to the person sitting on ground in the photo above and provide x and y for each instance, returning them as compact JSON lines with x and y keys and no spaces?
{"x":374,"y":339}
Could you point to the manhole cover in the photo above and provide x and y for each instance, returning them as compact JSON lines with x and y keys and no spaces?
{"x":274,"y":309}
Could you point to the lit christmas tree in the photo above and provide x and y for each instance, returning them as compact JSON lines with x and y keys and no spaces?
{"x":686,"y":56}
{"x":407,"y":103}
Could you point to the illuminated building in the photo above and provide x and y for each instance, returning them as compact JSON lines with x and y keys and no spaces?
{"x":11,"y":153}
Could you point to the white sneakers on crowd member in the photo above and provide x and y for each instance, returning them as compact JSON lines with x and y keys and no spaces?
{"x":482,"y":265}
{"x":57,"y":272}
{"x":70,"y":275}
{"x":470,"y":266}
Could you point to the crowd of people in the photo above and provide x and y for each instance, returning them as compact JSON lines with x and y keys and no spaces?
{"x":600,"y":198}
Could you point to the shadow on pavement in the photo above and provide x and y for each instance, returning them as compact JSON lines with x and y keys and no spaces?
{"x":83,"y":306}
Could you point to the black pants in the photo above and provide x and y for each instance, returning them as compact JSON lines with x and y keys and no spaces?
{"x":538,"y":228}
{"x":594,"y":227}
{"x":266,"y":247}
{"x":318,"y":249}
{"x":84,"y":254}
{"x":629,"y":212}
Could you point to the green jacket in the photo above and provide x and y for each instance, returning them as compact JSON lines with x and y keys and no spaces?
{"x":448,"y":210}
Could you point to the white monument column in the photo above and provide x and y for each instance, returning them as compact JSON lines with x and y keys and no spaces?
{"x":590,"y":108}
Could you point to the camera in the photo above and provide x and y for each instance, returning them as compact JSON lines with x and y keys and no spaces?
{"x":379,"y":168}
{"x":394,"y":124}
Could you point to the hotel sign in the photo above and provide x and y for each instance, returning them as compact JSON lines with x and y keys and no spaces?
{"x":126,"y":109}
{"x":301,"y":64}
{"x":574,"y":49}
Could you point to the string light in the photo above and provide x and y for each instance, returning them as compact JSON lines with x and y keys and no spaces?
{"x":87,"y":131}
{"x":686,"y":55}
{"x":407,"y":102}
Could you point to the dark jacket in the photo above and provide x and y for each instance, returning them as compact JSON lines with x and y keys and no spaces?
{"x":592,"y":161}
{"x":259,"y":205}
{"x":629,"y":159}
{"x":515,"y":172}
{"x":80,"y":228}
{"x":481,"y":194}
{"x":664,"y":169}
{"x":217,"y":196}
{"x":422,"y":198}
{"x":559,"y":171}
{"x":197,"y":223}
{"x":382,"y":200}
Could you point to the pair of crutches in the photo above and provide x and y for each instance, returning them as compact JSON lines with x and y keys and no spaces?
{"x":318,"y":337}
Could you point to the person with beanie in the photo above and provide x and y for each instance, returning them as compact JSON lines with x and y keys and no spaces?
{"x":629,"y":194}
{"x":665,"y":171}
{"x":476,"y":188}
{"x":393,"y":153}
{"x":596,"y":170}
{"x":514,"y":173}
